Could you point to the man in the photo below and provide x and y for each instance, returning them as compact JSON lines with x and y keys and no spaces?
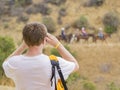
{"x":32,"y":70}
{"x":100,"y":33}
{"x":63,"y":34}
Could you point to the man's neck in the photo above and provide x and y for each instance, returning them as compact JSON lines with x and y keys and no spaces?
{"x":34,"y":50}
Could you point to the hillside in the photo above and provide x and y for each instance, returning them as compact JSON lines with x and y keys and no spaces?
{"x":99,"y":62}
{"x":74,"y":9}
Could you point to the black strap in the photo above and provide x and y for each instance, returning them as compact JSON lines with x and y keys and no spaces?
{"x":53,"y":70}
{"x":56,"y":64}
{"x":53,"y":76}
{"x":61,"y":77}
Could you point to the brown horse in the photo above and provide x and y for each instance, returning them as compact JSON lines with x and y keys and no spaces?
{"x":105,"y":36}
{"x":67,"y":38}
{"x":86,"y":38}
{"x":79,"y":37}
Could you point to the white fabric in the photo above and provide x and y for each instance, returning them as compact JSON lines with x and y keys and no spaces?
{"x":34,"y":73}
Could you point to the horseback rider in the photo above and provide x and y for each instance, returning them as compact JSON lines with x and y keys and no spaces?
{"x":100,"y":33}
{"x":63,"y":34}
{"x":77,"y":32}
{"x":84,"y":33}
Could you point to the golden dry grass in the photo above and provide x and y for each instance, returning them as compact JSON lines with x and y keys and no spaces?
{"x":91,"y":58}
{"x":6,"y":88}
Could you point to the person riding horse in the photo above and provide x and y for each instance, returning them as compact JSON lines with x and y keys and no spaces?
{"x":100,"y":33}
{"x":63,"y":34}
{"x":84,"y":33}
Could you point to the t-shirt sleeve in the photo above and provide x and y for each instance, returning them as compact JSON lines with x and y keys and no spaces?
{"x":67,"y":67}
{"x":8,"y":69}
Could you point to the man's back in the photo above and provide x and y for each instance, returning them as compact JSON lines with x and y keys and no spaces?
{"x":33,"y":73}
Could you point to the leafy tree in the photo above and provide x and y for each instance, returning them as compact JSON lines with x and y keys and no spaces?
{"x":6,"y":47}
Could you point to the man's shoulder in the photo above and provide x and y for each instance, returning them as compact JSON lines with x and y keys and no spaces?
{"x":14,"y":58}
{"x":17,"y":56}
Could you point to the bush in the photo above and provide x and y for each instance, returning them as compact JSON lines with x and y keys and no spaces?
{"x":89,"y":85}
{"x":62,"y":11}
{"x":90,"y":3}
{"x":112,"y":86}
{"x":6,"y":47}
{"x":22,"y":18}
{"x":56,"y":2}
{"x":81,"y":22}
{"x":55,"y":52}
{"x":23,"y":2}
{"x":73,"y":77}
{"x":50,"y":24}
{"x":111,"y":22}
{"x":42,"y":8}
{"x":6,"y":25}
{"x":109,"y":29}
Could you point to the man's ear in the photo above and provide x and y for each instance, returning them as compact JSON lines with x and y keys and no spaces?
{"x":45,"y":40}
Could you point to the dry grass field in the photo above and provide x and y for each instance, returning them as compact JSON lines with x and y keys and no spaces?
{"x":6,"y":88}
{"x":100,"y":62}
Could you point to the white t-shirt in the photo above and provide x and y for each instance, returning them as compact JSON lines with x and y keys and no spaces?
{"x":34,"y":73}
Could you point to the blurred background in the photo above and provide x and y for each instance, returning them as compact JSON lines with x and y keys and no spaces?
{"x":98,"y":56}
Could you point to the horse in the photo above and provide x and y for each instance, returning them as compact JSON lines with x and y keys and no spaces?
{"x":105,"y":36}
{"x":82,"y":37}
{"x":67,"y":39}
{"x":86,"y":38}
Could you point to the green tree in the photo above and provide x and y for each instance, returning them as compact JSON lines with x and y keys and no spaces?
{"x":7,"y":46}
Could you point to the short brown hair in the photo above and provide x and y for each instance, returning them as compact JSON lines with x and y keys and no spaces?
{"x":34,"y":33}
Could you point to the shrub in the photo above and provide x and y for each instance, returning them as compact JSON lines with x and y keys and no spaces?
{"x":81,"y":22}
{"x":42,"y":8}
{"x":111,"y":22}
{"x":73,"y":77}
{"x":87,"y":85}
{"x":62,"y":11}
{"x":50,"y":24}
{"x":55,"y":52}
{"x":10,"y":2}
{"x":6,"y":47}
{"x":23,"y":2}
{"x":109,"y":29}
{"x":90,"y":3}
{"x":31,"y":10}
{"x":56,"y":2}
{"x":112,"y":86}
{"x":6,"y":25}
{"x":22,"y":18}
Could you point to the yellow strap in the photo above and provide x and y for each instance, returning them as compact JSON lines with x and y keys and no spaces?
{"x":53,"y":57}
{"x":59,"y":85}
